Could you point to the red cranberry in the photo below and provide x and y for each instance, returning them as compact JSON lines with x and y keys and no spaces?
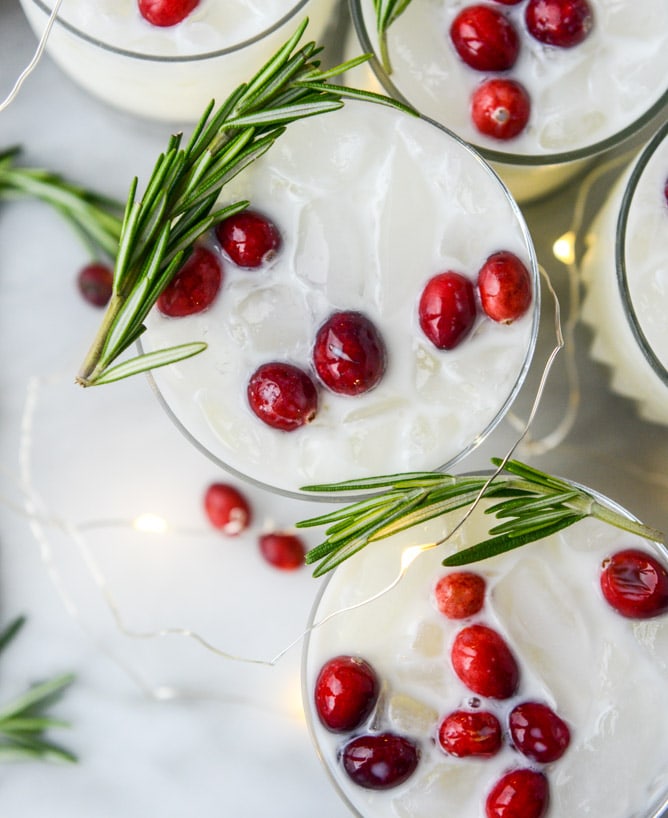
{"x":460,"y":594}
{"x":195,"y":285}
{"x":349,"y":354}
{"x":380,"y":761}
{"x":227,"y":508}
{"x":509,"y":2}
{"x":95,"y":282}
{"x":166,"y":12}
{"x":483,"y":661}
{"x":665,"y":192}
{"x":518,"y":794}
{"x":484,"y":38}
{"x":282,"y":395}
{"x":464,"y":734}
{"x":447,"y":309}
{"x":284,"y":551}
{"x":563,"y":23}
{"x":504,"y":286}
{"x":635,"y":584}
{"x":345,"y":693}
{"x":248,"y":238}
{"x":500,"y":108}
{"x":538,"y":732}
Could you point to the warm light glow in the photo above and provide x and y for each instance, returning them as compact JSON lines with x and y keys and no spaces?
{"x":564,"y":248}
{"x":409,"y":555}
{"x":150,"y":524}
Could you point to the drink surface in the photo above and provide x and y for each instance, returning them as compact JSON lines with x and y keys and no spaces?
{"x":170,"y":73}
{"x":371,"y":203}
{"x":579,"y":96}
{"x":211,"y":26}
{"x":645,"y":277}
{"x":604,"y":675}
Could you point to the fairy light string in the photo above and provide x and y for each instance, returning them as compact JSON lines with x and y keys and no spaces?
{"x":42,"y":520}
{"x":37,"y":56}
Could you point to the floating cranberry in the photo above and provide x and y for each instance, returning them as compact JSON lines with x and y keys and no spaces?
{"x":500,"y":108}
{"x":483,"y":661}
{"x":538,"y":732}
{"x":166,"y":12}
{"x":460,"y":594}
{"x":562,"y":23}
{"x":227,"y":508}
{"x":95,"y":282}
{"x":509,"y":2}
{"x":484,"y":38}
{"x":345,"y":693}
{"x":195,"y":285}
{"x":518,"y":794}
{"x":465,"y":733}
{"x":447,"y":309}
{"x":635,"y":584}
{"x":349,"y":353}
{"x":282,"y":550}
{"x":380,"y":761}
{"x":665,"y":192}
{"x":249,"y":238}
{"x":282,"y":395}
{"x":504,"y":285}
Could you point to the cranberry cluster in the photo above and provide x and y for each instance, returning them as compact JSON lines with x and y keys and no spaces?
{"x":346,"y":694}
{"x":447,"y":307}
{"x":229,"y":511}
{"x":486,"y":40}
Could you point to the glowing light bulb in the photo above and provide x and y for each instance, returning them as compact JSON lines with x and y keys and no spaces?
{"x":150,"y":524}
{"x":564,"y":248}
{"x":409,"y":555}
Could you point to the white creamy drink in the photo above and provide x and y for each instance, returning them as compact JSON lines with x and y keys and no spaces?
{"x":370,"y":203}
{"x":172,"y":72}
{"x":626,"y":272}
{"x":584,"y":98}
{"x":605,"y":676}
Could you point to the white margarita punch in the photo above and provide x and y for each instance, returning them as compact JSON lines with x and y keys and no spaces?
{"x":371,"y":203}
{"x":581,"y":722}
{"x":625,"y":269}
{"x":584,"y":99}
{"x":170,"y":72}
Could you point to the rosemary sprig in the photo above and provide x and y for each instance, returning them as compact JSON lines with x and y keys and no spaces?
{"x":531,"y":504}
{"x":24,"y":721}
{"x":178,"y":204}
{"x":387,"y":12}
{"x":95,"y":218}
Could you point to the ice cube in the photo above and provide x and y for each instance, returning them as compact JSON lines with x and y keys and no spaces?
{"x":411,"y":716}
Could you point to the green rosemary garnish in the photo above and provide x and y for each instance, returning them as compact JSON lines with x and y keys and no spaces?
{"x":95,"y":218}
{"x":387,"y":12}
{"x":177,"y":207}
{"x":532,"y":505}
{"x":24,"y":721}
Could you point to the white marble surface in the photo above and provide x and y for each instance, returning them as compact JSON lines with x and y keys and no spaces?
{"x":232,"y":741}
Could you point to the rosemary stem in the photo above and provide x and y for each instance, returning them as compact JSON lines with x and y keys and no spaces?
{"x":93,"y":363}
{"x":608,"y":515}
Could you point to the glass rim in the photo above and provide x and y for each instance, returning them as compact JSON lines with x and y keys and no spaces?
{"x":620,"y":254}
{"x":482,"y":435}
{"x":659,"y":809}
{"x":174,"y":58}
{"x":507,"y":157}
